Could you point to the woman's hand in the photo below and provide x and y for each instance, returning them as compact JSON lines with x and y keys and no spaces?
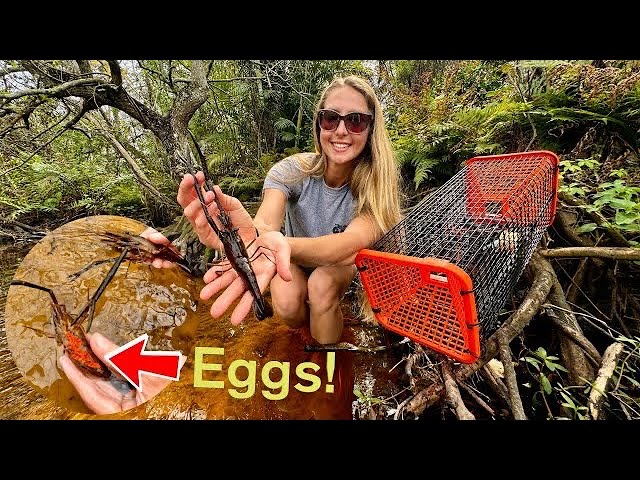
{"x":270,"y":254}
{"x":188,"y":200}
{"x":99,"y":394}
{"x":156,"y":237}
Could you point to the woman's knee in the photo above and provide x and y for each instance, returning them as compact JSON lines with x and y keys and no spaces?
{"x":326,"y":286}
{"x":290,"y":308}
{"x":289,"y":302}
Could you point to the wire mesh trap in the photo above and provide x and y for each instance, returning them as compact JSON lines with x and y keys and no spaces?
{"x":441,"y":276}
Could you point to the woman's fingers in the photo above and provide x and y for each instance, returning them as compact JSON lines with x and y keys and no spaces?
{"x":186,"y":192}
{"x":155,"y":236}
{"x":226,"y":298}
{"x":245,"y":304}
{"x":242,"y":309}
{"x":100,"y":344}
{"x":217,"y":284}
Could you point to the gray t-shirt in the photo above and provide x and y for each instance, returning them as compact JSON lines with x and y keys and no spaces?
{"x":313,"y":208}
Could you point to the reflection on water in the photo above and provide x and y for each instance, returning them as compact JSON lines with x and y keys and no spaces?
{"x":262,"y":360}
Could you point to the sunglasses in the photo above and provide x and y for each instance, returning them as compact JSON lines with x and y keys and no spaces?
{"x":355,"y":122}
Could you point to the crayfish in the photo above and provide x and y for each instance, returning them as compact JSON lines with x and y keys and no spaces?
{"x":235,"y":250}
{"x":69,"y":332}
{"x":139,"y":249}
{"x":145,"y":251}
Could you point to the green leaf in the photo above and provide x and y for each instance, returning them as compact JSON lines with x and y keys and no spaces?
{"x":621,"y":203}
{"x":546,"y":385}
{"x":569,"y":402}
{"x":533,"y":361}
{"x":625,"y":218}
{"x":586,"y":228}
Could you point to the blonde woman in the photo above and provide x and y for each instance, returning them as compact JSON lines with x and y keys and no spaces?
{"x":332,"y":203}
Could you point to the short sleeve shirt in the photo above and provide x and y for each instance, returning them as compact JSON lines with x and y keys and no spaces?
{"x":313,"y":208}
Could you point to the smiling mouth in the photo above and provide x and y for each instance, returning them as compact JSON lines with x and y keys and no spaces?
{"x":340,"y":146}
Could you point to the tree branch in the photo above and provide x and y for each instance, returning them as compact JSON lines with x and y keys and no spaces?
{"x":614,"y":253}
{"x":510,"y":378}
{"x":53,"y":91}
{"x":453,"y":394}
{"x":599,"y":388}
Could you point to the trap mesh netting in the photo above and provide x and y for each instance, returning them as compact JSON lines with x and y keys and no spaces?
{"x":441,"y":276}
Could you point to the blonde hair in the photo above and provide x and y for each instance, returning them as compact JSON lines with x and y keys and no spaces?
{"x":375,"y":181}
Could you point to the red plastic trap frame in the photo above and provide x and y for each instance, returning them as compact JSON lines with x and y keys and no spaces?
{"x":441,"y":276}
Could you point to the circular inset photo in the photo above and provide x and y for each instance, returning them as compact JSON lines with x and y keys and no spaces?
{"x":87,"y":289}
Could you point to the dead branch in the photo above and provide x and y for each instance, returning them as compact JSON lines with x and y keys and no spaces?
{"x":515,"y":402}
{"x":541,"y":285}
{"x":599,"y":388}
{"x":477,"y":398}
{"x":452,"y":394}
{"x":615,"y":253}
{"x":580,"y":371}
{"x":135,"y":168}
{"x":495,"y":382}
{"x":575,"y":335}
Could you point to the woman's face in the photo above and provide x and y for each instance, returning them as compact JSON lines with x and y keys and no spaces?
{"x":339,"y":145}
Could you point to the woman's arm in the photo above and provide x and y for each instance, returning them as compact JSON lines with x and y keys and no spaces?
{"x":336,"y":248}
{"x":270,"y":214}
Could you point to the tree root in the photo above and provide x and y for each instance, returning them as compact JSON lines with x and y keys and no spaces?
{"x":590,"y":350}
{"x":574,"y":359}
{"x":452,"y":394}
{"x":543,"y":280}
{"x":515,"y":402}
{"x":615,"y":253}
{"x":599,"y":388}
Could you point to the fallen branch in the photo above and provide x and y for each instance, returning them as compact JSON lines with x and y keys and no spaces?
{"x":515,"y":402}
{"x":615,"y":253}
{"x":452,"y":393}
{"x":599,"y":388}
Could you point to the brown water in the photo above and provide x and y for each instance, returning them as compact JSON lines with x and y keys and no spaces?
{"x":262,"y":373}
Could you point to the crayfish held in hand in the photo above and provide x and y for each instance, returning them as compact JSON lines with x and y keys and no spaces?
{"x":69,"y":332}
{"x":143,"y":250}
{"x":234,"y":248}
{"x":139,"y":249}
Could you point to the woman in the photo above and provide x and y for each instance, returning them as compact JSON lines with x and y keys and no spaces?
{"x":332,"y":203}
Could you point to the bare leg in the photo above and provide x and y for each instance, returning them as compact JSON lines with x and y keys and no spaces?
{"x":326,"y":287}
{"x":289,"y":298}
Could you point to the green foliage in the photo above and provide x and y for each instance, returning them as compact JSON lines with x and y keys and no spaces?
{"x":621,"y":198}
{"x":76,"y":179}
{"x":439,"y":113}
{"x":549,"y":391}
{"x":615,"y":200}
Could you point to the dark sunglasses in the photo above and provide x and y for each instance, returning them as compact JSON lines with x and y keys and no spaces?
{"x":355,"y":122}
